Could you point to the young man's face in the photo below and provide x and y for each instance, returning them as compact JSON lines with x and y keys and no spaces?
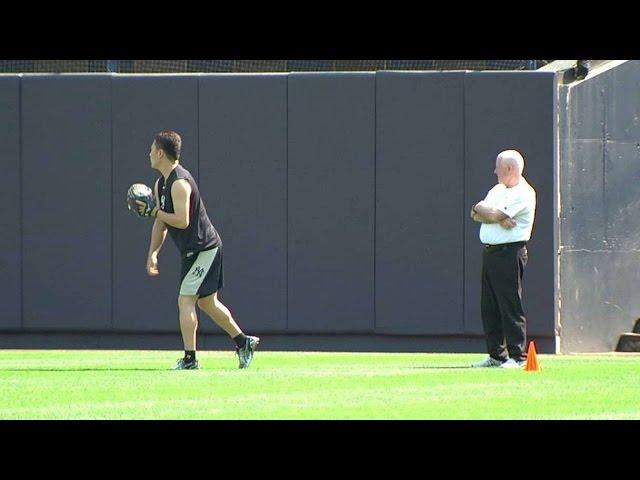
{"x":154,"y":155}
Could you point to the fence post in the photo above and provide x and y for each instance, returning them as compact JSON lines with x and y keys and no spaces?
{"x":113,"y":66}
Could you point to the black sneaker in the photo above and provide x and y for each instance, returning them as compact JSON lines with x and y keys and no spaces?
{"x":182,"y":364}
{"x":245,"y":354}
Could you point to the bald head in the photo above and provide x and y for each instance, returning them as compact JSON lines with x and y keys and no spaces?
{"x":512,"y":158}
{"x":509,"y":167}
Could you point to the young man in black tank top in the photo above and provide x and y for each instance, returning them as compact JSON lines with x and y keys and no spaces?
{"x":181,"y":212}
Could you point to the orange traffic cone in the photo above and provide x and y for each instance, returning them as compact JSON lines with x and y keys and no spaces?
{"x":532,"y":359}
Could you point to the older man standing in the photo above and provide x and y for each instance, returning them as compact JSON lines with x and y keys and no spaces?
{"x":506,"y":216}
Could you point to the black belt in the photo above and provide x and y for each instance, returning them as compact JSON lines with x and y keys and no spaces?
{"x":504,"y":246}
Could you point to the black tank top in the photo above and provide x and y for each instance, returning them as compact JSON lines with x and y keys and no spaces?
{"x":200,"y":234}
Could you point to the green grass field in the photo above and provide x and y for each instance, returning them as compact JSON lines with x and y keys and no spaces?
{"x":55,"y":384}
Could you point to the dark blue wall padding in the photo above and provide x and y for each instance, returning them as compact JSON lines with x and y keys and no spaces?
{"x":242,"y":131}
{"x":419,"y":202}
{"x":331,"y":125}
{"x":342,"y":198}
{"x":502,"y":111}
{"x":143,"y":106}
{"x":66,"y":181}
{"x":10,"y":238}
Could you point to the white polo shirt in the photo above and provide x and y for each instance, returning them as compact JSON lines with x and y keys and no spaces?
{"x":519,"y":203}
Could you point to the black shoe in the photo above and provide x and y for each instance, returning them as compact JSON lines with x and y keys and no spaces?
{"x":182,"y":364}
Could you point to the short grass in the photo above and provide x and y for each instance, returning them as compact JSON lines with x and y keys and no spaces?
{"x":55,"y":384}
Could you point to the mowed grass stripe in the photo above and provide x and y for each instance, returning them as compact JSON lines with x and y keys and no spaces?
{"x":53,"y":384}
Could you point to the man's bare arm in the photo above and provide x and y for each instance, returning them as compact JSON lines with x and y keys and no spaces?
{"x":476,"y":217}
{"x":158,"y":235}
{"x":489,"y":214}
{"x":180,"y":193}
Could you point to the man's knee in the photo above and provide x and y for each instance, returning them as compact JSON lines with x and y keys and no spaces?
{"x":187,"y":301}
{"x":205,"y":303}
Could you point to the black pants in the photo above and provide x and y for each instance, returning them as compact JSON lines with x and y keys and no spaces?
{"x":501,"y":303}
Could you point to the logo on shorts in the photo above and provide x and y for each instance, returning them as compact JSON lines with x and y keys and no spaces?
{"x":198,"y":272}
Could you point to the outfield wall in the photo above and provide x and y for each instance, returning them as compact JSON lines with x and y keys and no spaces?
{"x":599,"y":263}
{"x":342,"y":200}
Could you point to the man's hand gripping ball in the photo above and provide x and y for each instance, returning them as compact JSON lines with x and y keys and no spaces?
{"x":140,"y":200}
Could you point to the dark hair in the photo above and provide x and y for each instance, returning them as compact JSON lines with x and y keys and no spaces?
{"x":170,"y":142}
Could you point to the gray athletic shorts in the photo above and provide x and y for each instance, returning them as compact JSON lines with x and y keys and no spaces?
{"x":202,"y":273}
